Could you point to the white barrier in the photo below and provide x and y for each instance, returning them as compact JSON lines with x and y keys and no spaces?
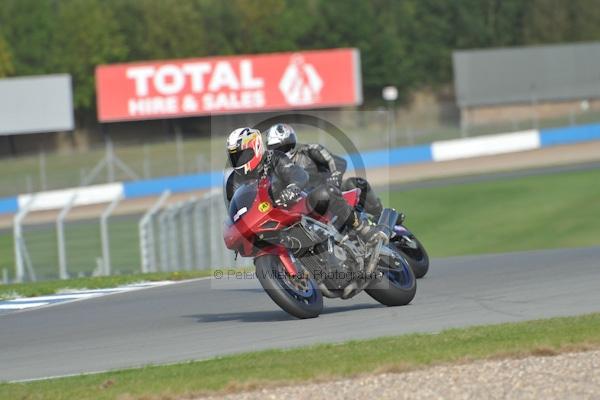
{"x":57,"y":199}
{"x":485,"y":146}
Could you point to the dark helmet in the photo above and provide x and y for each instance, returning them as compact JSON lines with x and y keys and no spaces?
{"x":281,"y":137}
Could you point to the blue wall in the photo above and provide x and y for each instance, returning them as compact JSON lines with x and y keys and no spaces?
{"x":388,"y":157}
{"x":569,"y":134}
{"x":183,"y":183}
{"x":9,"y":205}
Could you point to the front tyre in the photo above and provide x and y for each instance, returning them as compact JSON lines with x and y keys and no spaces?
{"x":397,"y":285}
{"x":299,"y":297}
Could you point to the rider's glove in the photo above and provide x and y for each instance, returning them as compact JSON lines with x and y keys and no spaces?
{"x":289,"y":195}
{"x":335,"y":178}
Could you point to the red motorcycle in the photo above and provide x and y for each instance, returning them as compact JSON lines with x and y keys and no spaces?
{"x":300,"y":257}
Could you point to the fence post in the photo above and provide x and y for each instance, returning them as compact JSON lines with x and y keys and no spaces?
{"x":216,"y":241}
{"x":174,"y":253}
{"x":227,"y":256}
{"x":199,"y":235}
{"x":60,"y":235}
{"x":28,"y":184}
{"x":146,"y":163}
{"x":464,"y":122}
{"x":163,"y":238}
{"x":43,"y":173}
{"x":106,"y":266}
{"x":186,"y":220}
{"x":179,"y":152}
{"x":110,"y":163}
{"x":146,"y":231}
{"x":18,"y":240}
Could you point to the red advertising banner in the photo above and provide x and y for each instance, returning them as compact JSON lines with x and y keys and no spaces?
{"x":235,"y":84}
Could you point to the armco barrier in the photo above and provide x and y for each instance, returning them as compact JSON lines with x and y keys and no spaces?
{"x":434,"y":152}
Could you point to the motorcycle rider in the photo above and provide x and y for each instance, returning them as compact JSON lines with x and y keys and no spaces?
{"x":322,"y":166}
{"x":251,"y":161}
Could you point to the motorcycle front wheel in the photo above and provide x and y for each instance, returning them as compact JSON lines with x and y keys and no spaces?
{"x":298,"y":296}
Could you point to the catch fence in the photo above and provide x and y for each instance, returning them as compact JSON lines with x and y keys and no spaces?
{"x":167,"y":234}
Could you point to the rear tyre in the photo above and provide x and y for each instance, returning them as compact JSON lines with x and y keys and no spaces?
{"x":299,"y":297}
{"x":417,"y":258}
{"x":397,"y":286}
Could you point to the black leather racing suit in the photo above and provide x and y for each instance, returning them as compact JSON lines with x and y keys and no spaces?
{"x":282,"y":171}
{"x":320,"y":164}
{"x":325,"y":195}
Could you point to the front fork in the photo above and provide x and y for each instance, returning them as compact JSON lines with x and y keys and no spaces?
{"x":288,"y":262}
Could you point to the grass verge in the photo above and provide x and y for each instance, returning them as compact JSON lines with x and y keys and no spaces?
{"x":32,"y":289}
{"x":277,"y":367}
{"x":530,"y":213}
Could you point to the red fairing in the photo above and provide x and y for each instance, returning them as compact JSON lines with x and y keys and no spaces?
{"x":261,"y":217}
{"x":352,"y":196}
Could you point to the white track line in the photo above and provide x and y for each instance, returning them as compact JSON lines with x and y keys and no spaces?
{"x":27,"y":303}
{"x":67,"y":296}
{"x":21,"y":306}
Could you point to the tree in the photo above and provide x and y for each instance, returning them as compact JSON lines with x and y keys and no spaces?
{"x":88,"y":36}
{"x":407,"y":43}
{"x":28,"y":26}
{"x":6,"y":65}
{"x":555,"y":21}
{"x":159,"y":29}
{"x":487,"y":23}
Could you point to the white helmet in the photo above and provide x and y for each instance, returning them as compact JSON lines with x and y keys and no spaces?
{"x":281,"y":137}
{"x":245,"y":149}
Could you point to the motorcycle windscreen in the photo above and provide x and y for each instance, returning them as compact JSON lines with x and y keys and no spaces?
{"x":242,"y":200}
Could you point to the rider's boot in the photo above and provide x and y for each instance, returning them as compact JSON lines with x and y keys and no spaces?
{"x":366,"y":229}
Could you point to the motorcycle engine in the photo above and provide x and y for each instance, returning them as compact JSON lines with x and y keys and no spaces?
{"x":332,"y":264}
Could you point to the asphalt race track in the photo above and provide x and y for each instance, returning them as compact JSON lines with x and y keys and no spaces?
{"x":205,"y":318}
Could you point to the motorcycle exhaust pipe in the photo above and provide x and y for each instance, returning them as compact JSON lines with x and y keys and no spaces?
{"x":387,"y":221}
{"x":385,"y":225}
{"x":327,"y":293}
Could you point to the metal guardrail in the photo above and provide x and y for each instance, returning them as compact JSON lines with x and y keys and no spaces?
{"x":170,"y":236}
{"x":189,"y":235}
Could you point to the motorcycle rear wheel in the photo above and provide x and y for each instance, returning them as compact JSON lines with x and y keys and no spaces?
{"x":299,"y":297}
{"x":417,"y":258}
